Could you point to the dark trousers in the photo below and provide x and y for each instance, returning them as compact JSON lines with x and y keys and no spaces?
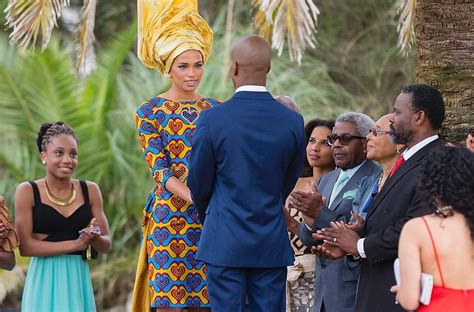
{"x":228,"y":287}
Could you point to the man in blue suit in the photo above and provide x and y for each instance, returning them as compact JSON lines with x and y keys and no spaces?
{"x":247,"y":155}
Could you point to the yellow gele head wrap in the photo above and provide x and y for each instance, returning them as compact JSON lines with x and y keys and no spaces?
{"x":167,"y":28}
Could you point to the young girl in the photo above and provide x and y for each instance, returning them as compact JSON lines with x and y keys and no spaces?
{"x":60,"y":221}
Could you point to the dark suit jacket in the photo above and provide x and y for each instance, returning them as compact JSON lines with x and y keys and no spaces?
{"x":398,"y":201}
{"x":246,"y":158}
{"x":336,"y":280}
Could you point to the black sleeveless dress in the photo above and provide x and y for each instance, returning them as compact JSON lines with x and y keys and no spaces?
{"x":59,"y":282}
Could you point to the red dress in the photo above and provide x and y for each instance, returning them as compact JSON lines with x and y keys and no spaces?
{"x":445,"y":299}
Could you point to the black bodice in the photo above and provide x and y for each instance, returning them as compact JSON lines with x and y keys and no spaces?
{"x":48,"y":220}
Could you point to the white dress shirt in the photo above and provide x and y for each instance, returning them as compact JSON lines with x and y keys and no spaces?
{"x":251,"y":88}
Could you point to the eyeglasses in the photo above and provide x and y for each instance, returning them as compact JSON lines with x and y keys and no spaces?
{"x":376,"y":132}
{"x":344,"y":138}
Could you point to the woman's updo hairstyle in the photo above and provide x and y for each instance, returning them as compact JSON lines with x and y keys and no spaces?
{"x":50,"y":130}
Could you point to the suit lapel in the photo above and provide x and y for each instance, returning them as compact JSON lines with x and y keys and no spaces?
{"x":410,"y":164}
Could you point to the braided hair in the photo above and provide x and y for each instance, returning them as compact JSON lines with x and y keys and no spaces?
{"x":50,"y":130}
{"x":447,"y":179}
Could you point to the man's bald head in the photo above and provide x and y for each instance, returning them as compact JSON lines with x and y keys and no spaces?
{"x":251,"y":59}
{"x":288,"y":101}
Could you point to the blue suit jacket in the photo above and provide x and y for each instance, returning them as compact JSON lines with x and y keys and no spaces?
{"x":336,"y":280}
{"x":247,"y":155}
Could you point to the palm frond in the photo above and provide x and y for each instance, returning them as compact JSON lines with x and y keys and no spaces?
{"x":263,"y":20}
{"x":29,"y":18}
{"x":85,"y":59}
{"x":290,"y":21}
{"x":406,"y":25}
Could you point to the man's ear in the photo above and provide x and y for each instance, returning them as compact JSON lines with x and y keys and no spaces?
{"x":420,"y":118}
{"x":234,"y":68}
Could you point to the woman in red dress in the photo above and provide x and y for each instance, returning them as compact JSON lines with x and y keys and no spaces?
{"x":441,"y":244}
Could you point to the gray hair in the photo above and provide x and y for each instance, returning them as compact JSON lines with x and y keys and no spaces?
{"x":288,"y":101}
{"x":362,"y":122}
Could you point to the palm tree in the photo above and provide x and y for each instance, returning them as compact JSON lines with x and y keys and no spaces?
{"x":445,"y":58}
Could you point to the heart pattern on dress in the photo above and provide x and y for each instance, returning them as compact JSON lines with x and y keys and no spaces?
{"x":178,"y":270}
{"x":193,"y":236}
{"x":161,"y":235}
{"x":161,"y":258}
{"x":175,"y":125}
{"x":190,"y":114}
{"x":176,"y":147}
{"x":178,"y":294}
{"x":178,"y":224}
{"x":178,"y":247}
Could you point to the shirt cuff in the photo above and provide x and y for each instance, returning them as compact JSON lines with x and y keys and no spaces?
{"x":360,"y":248}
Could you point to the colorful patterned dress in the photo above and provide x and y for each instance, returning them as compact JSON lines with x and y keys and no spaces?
{"x":170,"y":224}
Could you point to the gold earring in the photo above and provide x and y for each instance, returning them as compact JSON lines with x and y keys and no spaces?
{"x":168,"y":76}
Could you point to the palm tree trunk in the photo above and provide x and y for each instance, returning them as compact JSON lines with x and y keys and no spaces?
{"x":445,"y":51}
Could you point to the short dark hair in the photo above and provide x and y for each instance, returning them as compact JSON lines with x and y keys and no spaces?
{"x":308,"y":129}
{"x":50,"y":130}
{"x":427,"y":98}
{"x":447,"y":176}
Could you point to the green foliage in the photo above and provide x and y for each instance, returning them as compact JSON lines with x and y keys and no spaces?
{"x":356,"y":66}
{"x":42,"y":87}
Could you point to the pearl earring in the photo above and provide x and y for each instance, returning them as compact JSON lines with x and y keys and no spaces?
{"x":43,"y":162}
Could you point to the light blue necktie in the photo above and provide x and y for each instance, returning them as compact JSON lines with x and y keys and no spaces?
{"x":341,"y":181}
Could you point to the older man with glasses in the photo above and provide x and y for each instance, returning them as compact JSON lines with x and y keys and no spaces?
{"x":335,"y":281}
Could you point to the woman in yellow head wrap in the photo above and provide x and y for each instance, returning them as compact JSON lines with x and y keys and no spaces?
{"x":173,"y":38}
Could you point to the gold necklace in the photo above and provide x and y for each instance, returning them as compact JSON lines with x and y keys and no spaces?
{"x":380,"y":182}
{"x":59,"y":201}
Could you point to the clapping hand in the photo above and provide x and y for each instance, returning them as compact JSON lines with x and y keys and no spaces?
{"x":89,"y":234}
{"x":327,"y":251}
{"x":358,"y":222}
{"x":309,"y":203}
{"x":339,"y":235}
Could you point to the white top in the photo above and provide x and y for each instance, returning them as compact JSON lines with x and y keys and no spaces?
{"x":406,"y":154}
{"x":251,"y":88}
{"x":418,"y":146}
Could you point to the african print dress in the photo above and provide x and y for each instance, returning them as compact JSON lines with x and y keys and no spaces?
{"x":171,"y":228}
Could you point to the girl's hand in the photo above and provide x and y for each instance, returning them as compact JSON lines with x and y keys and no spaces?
{"x":92,"y":232}
{"x":81,"y":243}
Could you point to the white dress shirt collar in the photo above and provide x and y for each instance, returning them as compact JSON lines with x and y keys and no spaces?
{"x":251,"y":88}
{"x":418,"y":146}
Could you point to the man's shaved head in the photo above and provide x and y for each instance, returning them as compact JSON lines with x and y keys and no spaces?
{"x":288,"y":101}
{"x":251,"y":59}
